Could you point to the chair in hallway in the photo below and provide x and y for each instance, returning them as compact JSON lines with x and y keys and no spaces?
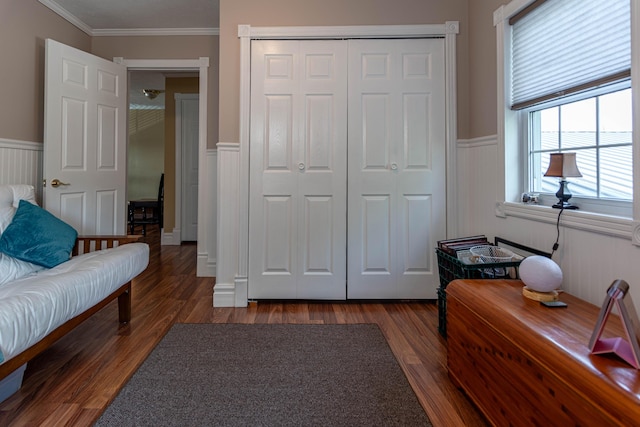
{"x":147,"y":211}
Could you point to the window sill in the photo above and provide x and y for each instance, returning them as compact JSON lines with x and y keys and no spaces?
{"x":609,"y":225}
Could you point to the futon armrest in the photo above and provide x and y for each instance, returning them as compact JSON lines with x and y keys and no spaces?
{"x":86,"y":244}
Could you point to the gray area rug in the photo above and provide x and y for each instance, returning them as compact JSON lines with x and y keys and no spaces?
{"x":268,"y":375}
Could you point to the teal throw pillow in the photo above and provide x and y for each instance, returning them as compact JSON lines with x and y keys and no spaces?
{"x":37,"y":236}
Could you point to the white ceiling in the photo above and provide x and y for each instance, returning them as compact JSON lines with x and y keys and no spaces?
{"x":131,"y":17}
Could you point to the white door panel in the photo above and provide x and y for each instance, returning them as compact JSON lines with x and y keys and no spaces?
{"x":85,"y":140}
{"x":396,"y":167}
{"x":297,"y":210}
{"x":390,"y":104}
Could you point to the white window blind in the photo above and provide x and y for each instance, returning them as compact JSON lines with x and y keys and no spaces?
{"x":565,"y":46}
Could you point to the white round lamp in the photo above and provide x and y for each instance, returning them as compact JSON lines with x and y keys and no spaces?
{"x":541,"y":276}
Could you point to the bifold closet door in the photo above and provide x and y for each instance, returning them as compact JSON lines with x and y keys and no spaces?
{"x":298,"y":170}
{"x":396,"y":167}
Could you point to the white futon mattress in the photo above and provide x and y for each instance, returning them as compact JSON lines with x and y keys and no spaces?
{"x":33,"y":306}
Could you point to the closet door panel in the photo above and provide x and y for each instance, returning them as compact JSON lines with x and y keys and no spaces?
{"x":396,"y":152}
{"x":322,"y":165}
{"x":298,"y":154}
{"x":272,"y":181}
{"x":421,"y":177}
{"x":376,"y":229}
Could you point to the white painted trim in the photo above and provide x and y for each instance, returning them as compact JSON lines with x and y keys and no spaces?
{"x":510,"y":9}
{"x":163,"y":64}
{"x":224,"y":295}
{"x":246,"y":33}
{"x":635,"y":93}
{"x":114,"y":32}
{"x":170,"y":238}
{"x":509,"y":152}
{"x":358,"y":31}
{"x":21,"y":145}
{"x":21,"y":163}
{"x":55,"y":7}
{"x":451,"y":127}
{"x":202,"y":65}
{"x":225,"y":289}
{"x":207,"y":265}
{"x":579,"y":220}
{"x":71,"y":18}
{"x":483,"y":141}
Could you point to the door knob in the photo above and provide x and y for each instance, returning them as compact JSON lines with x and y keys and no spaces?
{"x":301,"y":166}
{"x":55,"y":183}
{"x":394,"y":166}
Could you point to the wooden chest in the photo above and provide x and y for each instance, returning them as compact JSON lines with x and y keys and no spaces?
{"x":524,"y":364}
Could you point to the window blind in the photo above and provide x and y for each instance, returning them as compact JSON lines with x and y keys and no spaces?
{"x":565,"y":46}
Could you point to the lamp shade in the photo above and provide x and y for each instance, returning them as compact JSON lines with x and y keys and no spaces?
{"x":540,"y":274}
{"x":563,"y":165}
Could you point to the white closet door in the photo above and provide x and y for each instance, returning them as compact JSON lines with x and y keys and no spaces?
{"x":396,"y":181}
{"x":298,"y":150}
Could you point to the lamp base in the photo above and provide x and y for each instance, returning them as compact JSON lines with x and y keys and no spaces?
{"x":564,"y":205}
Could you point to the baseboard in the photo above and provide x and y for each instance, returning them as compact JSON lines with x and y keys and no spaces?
{"x":224,"y":295}
{"x":205,"y":266}
{"x":170,"y":239}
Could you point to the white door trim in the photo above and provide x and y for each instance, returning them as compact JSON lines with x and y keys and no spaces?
{"x":246,"y":33}
{"x":201,"y":65}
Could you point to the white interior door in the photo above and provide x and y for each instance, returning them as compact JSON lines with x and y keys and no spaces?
{"x":85,"y":140}
{"x":187,"y":114}
{"x":397,"y":199}
{"x":297,"y":207}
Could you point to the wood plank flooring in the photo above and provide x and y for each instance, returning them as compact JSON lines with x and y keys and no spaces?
{"x":73,"y":381}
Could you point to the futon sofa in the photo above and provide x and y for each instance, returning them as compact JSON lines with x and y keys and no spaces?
{"x":51,"y":280}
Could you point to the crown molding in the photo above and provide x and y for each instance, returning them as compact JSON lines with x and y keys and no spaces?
{"x":114,"y":32}
{"x":66,"y":15}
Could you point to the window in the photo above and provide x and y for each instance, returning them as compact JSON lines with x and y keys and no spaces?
{"x":569,"y":90}
{"x":598,"y":129}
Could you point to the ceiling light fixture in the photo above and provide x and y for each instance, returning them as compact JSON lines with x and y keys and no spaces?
{"x":152,"y":93}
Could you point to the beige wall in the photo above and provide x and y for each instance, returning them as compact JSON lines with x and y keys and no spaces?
{"x":170,"y":47}
{"x":24,"y":26}
{"x":327,"y":13}
{"x":482,"y":68}
{"x":145,"y":153}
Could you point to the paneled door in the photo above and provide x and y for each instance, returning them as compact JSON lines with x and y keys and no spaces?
{"x":298,"y":169}
{"x":396,"y":182}
{"x":85,"y":140}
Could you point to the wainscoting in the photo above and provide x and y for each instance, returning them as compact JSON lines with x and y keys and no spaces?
{"x":21,"y":163}
{"x":594,"y":250}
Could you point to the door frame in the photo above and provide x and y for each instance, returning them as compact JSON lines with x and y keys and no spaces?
{"x":200,"y":65}
{"x":246,"y":33}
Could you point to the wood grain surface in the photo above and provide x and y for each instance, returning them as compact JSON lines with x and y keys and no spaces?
{"x":526,"y":364}
{"x":73,"y":381}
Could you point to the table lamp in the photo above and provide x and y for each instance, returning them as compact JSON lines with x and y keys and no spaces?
{"x":563,"y":165}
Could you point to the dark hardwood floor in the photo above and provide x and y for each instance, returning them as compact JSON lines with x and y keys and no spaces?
{"x":73,"y":381}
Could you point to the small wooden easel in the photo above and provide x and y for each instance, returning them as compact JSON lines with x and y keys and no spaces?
{"x":628,"y":349}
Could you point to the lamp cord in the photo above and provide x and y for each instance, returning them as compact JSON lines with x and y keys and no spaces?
{"x":556,"y":245}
